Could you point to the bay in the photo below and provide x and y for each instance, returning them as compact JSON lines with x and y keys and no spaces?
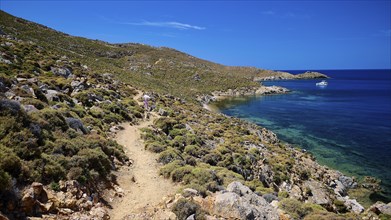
{"x":346,"y":124}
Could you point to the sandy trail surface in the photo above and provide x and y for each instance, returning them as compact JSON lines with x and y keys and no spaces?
{"x":143,"y":187}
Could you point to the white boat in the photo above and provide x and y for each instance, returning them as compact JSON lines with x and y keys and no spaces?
{"x":323,"y":83}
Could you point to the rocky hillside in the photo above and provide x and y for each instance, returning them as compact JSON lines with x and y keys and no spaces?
{"x":62,"y":97}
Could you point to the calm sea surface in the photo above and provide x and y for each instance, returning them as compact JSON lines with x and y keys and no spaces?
{"x":346,"y":125}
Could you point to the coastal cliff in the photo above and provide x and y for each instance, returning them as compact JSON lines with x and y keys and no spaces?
{"x":63,"y":98}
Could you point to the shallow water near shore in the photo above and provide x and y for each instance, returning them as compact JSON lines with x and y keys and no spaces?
{"x":346,"y":125}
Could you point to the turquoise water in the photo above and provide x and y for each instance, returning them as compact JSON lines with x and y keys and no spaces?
{"x":346,"y":125}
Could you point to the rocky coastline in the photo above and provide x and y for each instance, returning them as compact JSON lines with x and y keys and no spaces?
{"x":239,"y":92}
{"x":58,"y":157}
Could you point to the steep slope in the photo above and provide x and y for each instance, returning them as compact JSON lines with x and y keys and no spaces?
{"x":61,"y":101}
{"x":160,"y":69}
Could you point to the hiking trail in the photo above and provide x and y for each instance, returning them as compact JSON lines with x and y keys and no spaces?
{"x":143,"y":187}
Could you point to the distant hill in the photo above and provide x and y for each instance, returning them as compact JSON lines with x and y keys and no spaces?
{"x":159,"y":69}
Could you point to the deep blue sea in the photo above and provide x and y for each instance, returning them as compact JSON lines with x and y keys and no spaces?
{"x":346,"y":125}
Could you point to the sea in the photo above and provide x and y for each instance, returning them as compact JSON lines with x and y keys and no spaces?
{"x":346,"y":125}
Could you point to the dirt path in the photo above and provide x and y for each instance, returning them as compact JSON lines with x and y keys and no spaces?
{"x":142,"y":186}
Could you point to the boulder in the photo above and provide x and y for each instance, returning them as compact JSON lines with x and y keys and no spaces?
{"x":28,"y":90}
{"x":239,"y":202}
{"x":188,"y":192}
{"x":52,"y":95}
{"x":348,"y":182}
{"x":238,"y":188}
{"x":353,"y":205}
{"x":381,"y":208}
{"x":319,"y":193}
{"x":98,"y":212}
{"x":64,"y":72}
{"x":30,"y":108}
{"x":34,"y":199}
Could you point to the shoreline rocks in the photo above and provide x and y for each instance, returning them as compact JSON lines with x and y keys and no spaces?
{"x":245,"y":91}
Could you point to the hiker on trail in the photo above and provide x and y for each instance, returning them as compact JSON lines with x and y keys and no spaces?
{"x":146,"y":99}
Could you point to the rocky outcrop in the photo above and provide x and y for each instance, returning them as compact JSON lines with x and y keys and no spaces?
{"x":246,"y":91}
{"x":381,"y":208}
{"x":310,"y":75}
{"x":288,"y":76}
{"x":238,"y":202}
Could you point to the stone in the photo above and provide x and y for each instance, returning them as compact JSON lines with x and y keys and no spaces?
{"x":188,"y":192}
{"x":34,"y":199}
{"x":319,"y":193}
{"x":296,"y":193}
{"x":64,"y":72}
{"x":99,"y":213}
{"x":29,"y":108}
{"x":52,"y":95}
{"x":339,"y":188}
{"x":191,"y":217}
{"x":238,"y":188}
{"x":353,"y":205}
{"x":162,"y":112}
{"x":239,"y":202}
{"x":348,"y":182}
{"x":381,"y":208}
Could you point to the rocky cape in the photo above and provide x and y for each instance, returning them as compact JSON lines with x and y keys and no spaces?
{"x":244,"y":91}
{"x":287,"y":76}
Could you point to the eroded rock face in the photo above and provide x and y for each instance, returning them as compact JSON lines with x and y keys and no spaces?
{"x":319,"y":193}
{"x":34,"y":200}
{"x":239,"y":202}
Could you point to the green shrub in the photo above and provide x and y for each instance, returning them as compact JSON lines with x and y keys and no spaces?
{"x":169,"y":155}
{"x":297,"y":209}
{"x":193,"y":150}
{"x":167,"y":169}
{"x":183,"y":208}
{"x":97,"y":160}
{"x":5,"y":180}
{"x":178,"y":174}
{"x":155,"y":147}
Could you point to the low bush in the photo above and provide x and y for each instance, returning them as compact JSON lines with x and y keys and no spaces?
{"x":183,"y":208}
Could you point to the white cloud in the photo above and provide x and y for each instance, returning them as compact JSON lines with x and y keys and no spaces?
{"x":168,"y":24}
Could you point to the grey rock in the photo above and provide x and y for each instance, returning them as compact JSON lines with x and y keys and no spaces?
{"x":162,"y":112}
{"x":52,"y":95}
{"x":76,"y":124}
{"x":353,"y":205}
{"x":64,"y":72}
{"x":348,"y":182}
{"x":381,"y":208}
{"x":238,"y":188}
{"x":30,"y":108}
{"x":339,"y":188}
{"x":188,"y":192}
{"x":270,"y":197}
{"x":319,"y":193}
{"x":239,"y":202}
{"x":2,"y":60}
{"x":28,"y":90}
{"x":191,"y":217}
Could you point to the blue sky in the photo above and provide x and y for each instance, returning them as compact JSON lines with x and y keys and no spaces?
{"x":279,"y":35}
